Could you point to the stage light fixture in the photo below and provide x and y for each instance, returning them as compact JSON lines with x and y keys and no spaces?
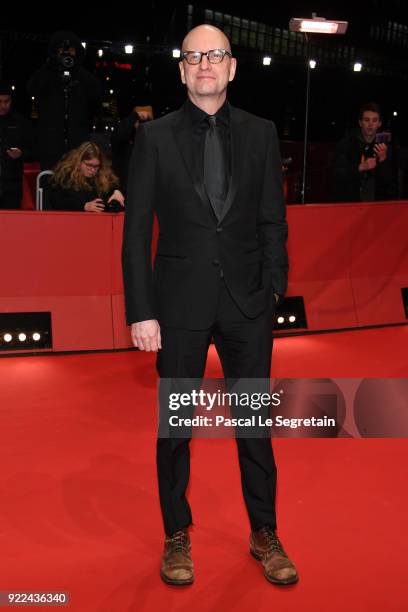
{"x":312,"y":64}
{"x":129,"y":49}
{"x":315,"y":25}
{"x":267,"y":60}
{"x":100,"y":52}
{"x":358,"y":66}
{"x":22,"y":331}
{"x":176,"y":53}
{"x":291,"y":314}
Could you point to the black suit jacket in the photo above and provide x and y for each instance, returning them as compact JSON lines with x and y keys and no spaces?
{"x":247,"y":243}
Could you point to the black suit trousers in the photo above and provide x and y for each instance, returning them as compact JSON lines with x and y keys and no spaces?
{"x":244,"y":346}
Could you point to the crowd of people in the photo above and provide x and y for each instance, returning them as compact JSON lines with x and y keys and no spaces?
{"x":88,"y":179}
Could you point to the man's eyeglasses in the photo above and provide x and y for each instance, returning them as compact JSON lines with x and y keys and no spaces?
{"x":214,"y":56}
{"x":92,"y":166}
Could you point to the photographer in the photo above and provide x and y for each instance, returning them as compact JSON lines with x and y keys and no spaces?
{"x":83,"y":180}
{"x":363,"y":168}
{"x":68,"y":96}
{"x":15,"y":148}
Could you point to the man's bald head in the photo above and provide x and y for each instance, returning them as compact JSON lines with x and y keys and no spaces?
{"x":197,"y":38}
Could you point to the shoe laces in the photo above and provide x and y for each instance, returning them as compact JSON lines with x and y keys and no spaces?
{"x":179,"y":541}
{"x":272,"y":541}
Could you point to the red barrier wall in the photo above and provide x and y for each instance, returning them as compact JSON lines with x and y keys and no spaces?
{"x":348,"y":261}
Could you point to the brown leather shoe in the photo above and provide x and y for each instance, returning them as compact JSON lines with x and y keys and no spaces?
{"x":176,"y":564}
{"x":266,"y":547}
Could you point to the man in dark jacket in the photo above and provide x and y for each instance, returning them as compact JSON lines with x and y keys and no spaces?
{"x":67,"y":94}
{"x":363,"y":169}
{"x":15,"y":132}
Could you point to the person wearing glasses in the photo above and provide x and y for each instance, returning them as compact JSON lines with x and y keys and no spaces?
{"x":83,"y":180}
{"x":212,"y":175}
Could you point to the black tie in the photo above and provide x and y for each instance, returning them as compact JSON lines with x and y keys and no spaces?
{"x":215,"y":176}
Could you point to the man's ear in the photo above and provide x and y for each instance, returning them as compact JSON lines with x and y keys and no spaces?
{"x":182,"y":75}
{"x":233,"y":69}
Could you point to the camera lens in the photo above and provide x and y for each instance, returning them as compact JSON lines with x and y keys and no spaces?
{"x":67,"y":61}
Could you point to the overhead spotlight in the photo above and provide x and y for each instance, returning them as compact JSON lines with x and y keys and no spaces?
{"x":108,"y":78}
{"x":395,"y":114}
{"x":83,"y":44}
{"x":22,"y":337}
{"x":176,"y":53}
{"x":33,"y":97}
{"x":111,"y":91}
{"x":281,"y":320}
{"x":100,"y":52}
{"x":266,"y":60}
{"x":292,"y":319}
{"x":129,"y":49}
{"x":36,"y":337}
{"x":358,"y":66}
{"x":317,"y":25}
{"x":13,"y":87}
{"x":312,"y":64}
{"x":106,"y":127}
{"x":7,"y":337}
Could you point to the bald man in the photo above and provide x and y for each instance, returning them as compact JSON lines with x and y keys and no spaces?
{"x":212,"y":175}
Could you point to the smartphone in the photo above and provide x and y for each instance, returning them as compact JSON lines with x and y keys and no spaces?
{"x":383,"y":137}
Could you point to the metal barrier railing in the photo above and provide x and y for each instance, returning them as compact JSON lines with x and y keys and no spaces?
{"x":39,"y":190}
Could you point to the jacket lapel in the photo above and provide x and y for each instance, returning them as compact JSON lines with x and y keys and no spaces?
{"x":182,"y":136}
{"x":238,"y":153}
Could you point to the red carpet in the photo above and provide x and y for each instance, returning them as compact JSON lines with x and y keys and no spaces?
{"x":79,"y":510}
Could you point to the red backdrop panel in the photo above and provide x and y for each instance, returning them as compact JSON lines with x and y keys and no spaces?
{"x":348,"y":261}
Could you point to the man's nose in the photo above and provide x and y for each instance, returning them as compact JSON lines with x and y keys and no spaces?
{"x":204,"y":64}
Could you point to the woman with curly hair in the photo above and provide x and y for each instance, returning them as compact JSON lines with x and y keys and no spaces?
{"x":83,"y":180}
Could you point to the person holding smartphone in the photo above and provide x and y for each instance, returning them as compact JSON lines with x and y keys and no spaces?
{"x":362,"y":164}
{"x":15,"y":139}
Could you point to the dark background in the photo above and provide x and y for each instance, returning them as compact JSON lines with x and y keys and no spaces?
{"x":276,"y":92}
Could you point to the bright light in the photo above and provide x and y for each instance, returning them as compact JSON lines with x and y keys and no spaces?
{"x":176,"y":53}
{"x":317,"y":25}
{"x":100,"y":52}
{"x":7,"y":337}
{"x":292,"y":319}
{"x":111,"y":91}
{"x":358,"y":67}
{"x":33,"y":97}
{"x":22,"y":337}
{"x":312,"y":64}
{"x":267,"y":60}
{"x":106,"y":127}
{"x":36,"y":336}
{"x":108,"y":78}
{"x":129,"y":49}
{"x":83,"y":44}
{"x":395,"y":114}
{"x":13,"y":87}
{"x":281,"y":320}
